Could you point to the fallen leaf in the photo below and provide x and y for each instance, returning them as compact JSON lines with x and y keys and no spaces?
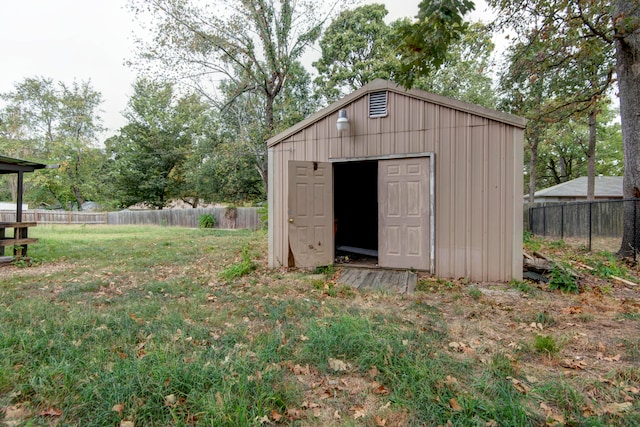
{"x":51,"y":412}
{"x":294,"y":414}
{"x":127,"y":424}
{"x":337,"y":365}
{"x":301,"y":370}
{"x":263,"y":420}
{"x":380,"y":422}
{"x":119,"y":408}
{"x":304,"y":338}
{"x":14,"y":415}
{"x":336,"y":415}
{"x":491,"y":423}
{"x":170,"y":399}
{"x":633,"y":390}
{"x":381,"y":390}
{"x":358,"y":412}
{"x":450,"y":380}
{"x":616,"y":408}
{"x":276,"y":416}
{"x":455,"y":405}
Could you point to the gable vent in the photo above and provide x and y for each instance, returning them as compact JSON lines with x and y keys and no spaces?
{"x":378,"y":104}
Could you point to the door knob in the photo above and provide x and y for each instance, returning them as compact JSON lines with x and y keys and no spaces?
{"x":291,"y":220}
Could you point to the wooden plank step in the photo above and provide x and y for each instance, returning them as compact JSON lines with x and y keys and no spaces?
{"x":17,"y":224}
{"x":14,"y":242}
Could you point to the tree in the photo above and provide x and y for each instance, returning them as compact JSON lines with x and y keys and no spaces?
{"x":150,"y":152}
{"x":55,"y":123}
{"x":253,"y":43}
{"x":355,"y":50}
{"x":576,"y":68}
{"x":464,"y":73}
{"x":581,"y":25}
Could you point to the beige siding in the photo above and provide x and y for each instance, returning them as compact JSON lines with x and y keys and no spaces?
{"x":478,"y":178}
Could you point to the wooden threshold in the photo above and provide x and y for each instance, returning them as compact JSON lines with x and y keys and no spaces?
{"x":400,"y":281}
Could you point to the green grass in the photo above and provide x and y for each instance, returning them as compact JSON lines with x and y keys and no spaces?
{"x":187,"y":327}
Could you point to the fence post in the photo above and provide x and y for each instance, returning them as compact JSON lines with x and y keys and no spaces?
{"x":590,"y":225}
{"x":635,"y":229}
{"x":544,"y":221}
{"x":561,"y":222}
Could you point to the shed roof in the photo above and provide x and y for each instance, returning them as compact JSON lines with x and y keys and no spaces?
{"x":380,"y":84}
{"x":605,"y":186}
{"x":13,"y":165}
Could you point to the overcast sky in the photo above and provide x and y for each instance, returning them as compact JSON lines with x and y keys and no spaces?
{"x":85,"y":40}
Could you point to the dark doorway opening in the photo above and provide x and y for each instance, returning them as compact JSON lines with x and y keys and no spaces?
{"x":355,"y":189}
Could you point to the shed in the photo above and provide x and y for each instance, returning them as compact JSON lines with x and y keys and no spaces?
{"x":605,"y":188}
{"x":418,"y":180}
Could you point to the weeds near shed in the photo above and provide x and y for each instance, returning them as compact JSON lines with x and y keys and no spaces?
{"x":242,"y":268}
{"x":563,"y":280}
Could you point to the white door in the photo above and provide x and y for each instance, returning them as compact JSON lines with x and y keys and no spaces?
{"x":403,"y":214}
{"x":311,"y":213}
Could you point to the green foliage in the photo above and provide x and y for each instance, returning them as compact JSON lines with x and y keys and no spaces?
{"x":545,"y":318}
{"x":55,"y":123}
{"x":465,"y":73}
{"x":546,"y":344}
{"x":608,"y":267}
{"x":327,"y":270}
{"x":475,"y":292}
{"x":263,"y":214}
{"x":562,"y":279}
{"x":239,"y":269}
{"x":523,"y":286}
{"x":150,"y":152}
{"x":422,"y":45}
{"x":206,"y":221}
{"x":355,"y":51}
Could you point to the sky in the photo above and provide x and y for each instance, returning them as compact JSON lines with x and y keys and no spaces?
{"x":67,"y":40}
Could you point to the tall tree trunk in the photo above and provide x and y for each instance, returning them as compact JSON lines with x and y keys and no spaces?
{"x":627,"y":42}
{"x":591,"y":171}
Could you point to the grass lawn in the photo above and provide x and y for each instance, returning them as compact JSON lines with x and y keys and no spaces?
{"x":157,"y":326}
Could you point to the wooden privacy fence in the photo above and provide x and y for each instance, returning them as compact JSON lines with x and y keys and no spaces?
{"x":225,"y":218}
{"x":580,"y":219}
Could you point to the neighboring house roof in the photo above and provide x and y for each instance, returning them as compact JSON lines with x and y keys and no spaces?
{"x":13,"y":165}
{"x":605,"y":186}
{"x":379,"y":85}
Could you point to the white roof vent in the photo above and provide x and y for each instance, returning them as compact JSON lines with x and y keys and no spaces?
{"x":378,"y":104}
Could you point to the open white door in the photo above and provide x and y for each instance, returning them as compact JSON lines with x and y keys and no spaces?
{"x":311,"y":213}
{"x":403,"y":214}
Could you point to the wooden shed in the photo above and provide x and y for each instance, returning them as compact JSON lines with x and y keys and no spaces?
{"x":416,"y":180}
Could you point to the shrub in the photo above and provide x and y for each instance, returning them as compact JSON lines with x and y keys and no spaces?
{"x":206,"y":221}
{"x":562,"y":279}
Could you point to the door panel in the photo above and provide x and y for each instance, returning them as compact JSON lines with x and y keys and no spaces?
{"x":311,"y":213}
{"x":403,"y":216}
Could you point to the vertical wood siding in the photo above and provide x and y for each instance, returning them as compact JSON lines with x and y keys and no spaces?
{"x":478,"y":178}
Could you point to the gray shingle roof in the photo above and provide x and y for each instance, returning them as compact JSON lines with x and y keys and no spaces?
{"x":605,"y":186}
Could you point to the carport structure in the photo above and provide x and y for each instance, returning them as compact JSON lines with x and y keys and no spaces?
{"x":414,"y":180}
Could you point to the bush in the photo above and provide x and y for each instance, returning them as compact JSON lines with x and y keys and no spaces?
{"x":206,"y":221}
{"x":562,"y":279}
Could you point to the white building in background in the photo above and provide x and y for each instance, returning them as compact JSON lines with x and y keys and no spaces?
{"x":11,"y":206}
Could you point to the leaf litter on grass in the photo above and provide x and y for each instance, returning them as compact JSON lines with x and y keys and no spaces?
{"x":253,"y":330}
